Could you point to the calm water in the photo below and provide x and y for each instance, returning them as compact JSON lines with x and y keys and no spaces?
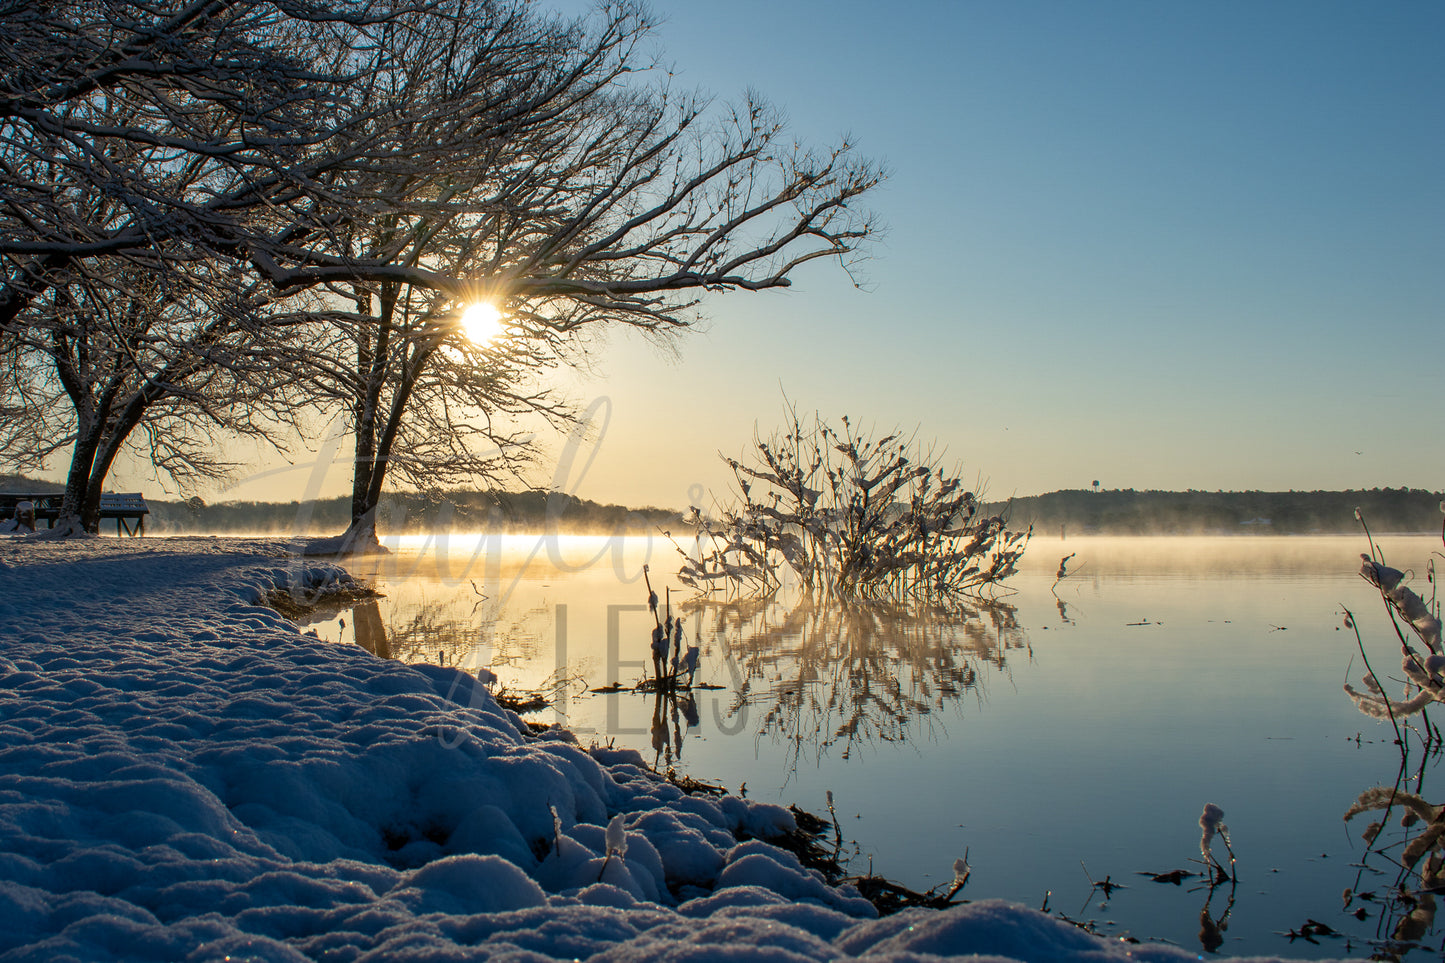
{"x":1074,"y":733}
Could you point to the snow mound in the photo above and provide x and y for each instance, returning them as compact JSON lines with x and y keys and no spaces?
{"x":185,"y":775}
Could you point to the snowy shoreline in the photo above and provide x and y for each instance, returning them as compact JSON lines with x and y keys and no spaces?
{"x":186,"y":775}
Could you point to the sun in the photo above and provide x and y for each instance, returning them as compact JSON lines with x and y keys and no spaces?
{"x":481,"y":322}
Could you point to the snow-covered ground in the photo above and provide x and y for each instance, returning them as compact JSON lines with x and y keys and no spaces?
{"x":185,"y":775}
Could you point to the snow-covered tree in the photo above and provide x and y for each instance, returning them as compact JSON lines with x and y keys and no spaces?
{"x":133,"y":132}
{"x":398,"y":163}
{"x":573,"y":190}
{"x":143,"y":361}
{"x":149,"y":158}
{"x":32,"y":407}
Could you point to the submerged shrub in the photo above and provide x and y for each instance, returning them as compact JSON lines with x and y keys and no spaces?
{"x":850,"y":516}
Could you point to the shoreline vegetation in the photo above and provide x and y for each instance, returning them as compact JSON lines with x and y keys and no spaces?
{"x":1070,"y":512}
{"x":1129,"y":512}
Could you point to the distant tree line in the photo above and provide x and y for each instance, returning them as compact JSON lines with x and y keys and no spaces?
{"x":1130,"y":512}
{"x":409,"y":513}
{"x":1076,"y":512}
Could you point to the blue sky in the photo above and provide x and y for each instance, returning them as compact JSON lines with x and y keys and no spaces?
{"x":1160,"y":244}
{"x":1164,"y":245}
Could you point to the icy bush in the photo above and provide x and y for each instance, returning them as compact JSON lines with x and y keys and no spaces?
{"x":851,"y":516}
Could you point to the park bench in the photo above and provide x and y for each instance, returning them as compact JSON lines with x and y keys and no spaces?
{"x":127,"y":508}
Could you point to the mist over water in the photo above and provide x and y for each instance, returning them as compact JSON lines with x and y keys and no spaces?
{"x":1084,"y":721}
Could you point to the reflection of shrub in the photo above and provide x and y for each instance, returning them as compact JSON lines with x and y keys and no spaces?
{"x":831,"y":673}
{"x":849,"y":516}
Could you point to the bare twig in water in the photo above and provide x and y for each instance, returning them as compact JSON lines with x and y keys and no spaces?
{"x":1389,"y":706}
{"x":1063,"y":570}
{"x":1105,"y":885}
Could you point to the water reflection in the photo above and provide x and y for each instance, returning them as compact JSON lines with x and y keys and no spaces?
{"x":428,"y":621}
{"x":829,"y":674}
{"x":1211,"y":927}
{"x":674,"y":712}
{"x":434,"y":631}
{"x":370,"y":630}
{"x":1403,"y":866}
{"x":812,"y":676}
{"x":1131,"y":727}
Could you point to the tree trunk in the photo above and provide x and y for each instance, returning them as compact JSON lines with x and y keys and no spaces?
{"x":373,"y":446}
{"x":364,"y":467}
{"x":360,"y":536}
{"x":103,"y":438}
{"x":100,"y":468}
{"x":77,"y":484}
{"x":366,"y":476}
{"x":367,"y":471}
{"x":371,"y":474}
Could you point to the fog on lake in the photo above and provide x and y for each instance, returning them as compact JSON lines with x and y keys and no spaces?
{"x":1064,"y":734}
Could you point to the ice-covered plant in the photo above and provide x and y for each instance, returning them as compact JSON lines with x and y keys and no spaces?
{"x":849,"y":515}
{"x":1211,"y":824}
{"x":1417,"y":849}
{"x":1415,"y":620}
{"x":961,"y":872}
{"x":670,"y":658}
{"x":689,"y":662}
{"x":616,"y":837}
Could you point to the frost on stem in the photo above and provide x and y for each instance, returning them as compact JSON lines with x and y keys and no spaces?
{"x":961,"y":872}
{"x":1420,"y":849}
{"x":1408,"y":606}
{"x":616,"y":837}
{"x":1375,"y":704}
{"x":1425,"y":677}
{"x":616,"y":843}
{"x":1211,"y":821}
{"x":1383,"y":797}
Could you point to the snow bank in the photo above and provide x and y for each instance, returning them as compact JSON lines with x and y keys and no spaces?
{"x":185,"y":775}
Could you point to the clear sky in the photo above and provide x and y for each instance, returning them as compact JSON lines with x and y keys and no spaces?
{"x":1162,"y":245}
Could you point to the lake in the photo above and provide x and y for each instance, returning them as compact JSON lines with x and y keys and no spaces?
{"x":1068,"y":736}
